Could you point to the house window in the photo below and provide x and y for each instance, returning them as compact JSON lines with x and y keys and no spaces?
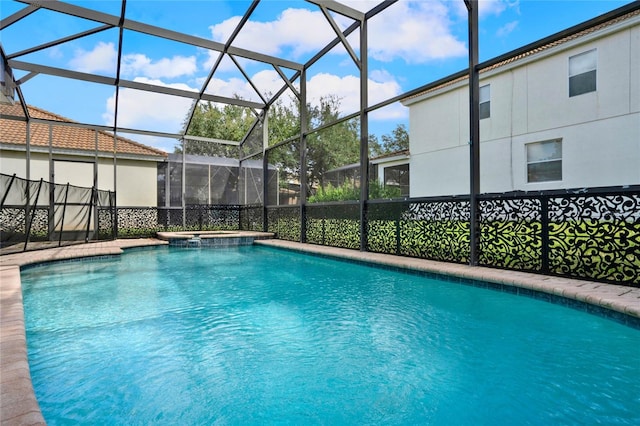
{"x":398,"y":176}
{"x":544,"y":161}
{"x":485,"y":101}
{"x":582,"y":73}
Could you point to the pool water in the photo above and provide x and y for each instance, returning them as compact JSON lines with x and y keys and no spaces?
{"x":255,"y":335}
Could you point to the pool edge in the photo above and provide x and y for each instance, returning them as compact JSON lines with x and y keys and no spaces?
{"x":19,"y":406}
{"x":623,"y":300}
{"x":18,"y":403}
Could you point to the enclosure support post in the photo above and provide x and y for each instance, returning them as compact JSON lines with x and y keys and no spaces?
{"x":265,"y":184}
{"x":364,"y":136}
{"x":52,"y":188}
{"x":28,"y":176}
{"x":474,"y":132}
{"x":96,"y":216}
{"x":183,"y":186}
{"x":303,"y":154}
{"x":265,"y":168}
{"x":94,"y":194}
{"x":30,"y":220}
{"x":114,"y":214}
{"x":64,"y":211}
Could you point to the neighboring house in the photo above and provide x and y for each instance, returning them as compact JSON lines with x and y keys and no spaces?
{"x":391,"y":169}
{"x":212,"y":180}
{"x":561,"y":113}
{"x":77,"y":155}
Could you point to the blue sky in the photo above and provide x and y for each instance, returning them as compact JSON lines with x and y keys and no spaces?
{"x":410,"y":44}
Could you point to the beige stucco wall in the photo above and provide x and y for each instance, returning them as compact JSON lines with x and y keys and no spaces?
{"x":136,"y":179}
{"x":137,"y":183}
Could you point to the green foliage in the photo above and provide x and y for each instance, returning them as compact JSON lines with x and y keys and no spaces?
{"x":345,"y":192}
{"x":284,"y":121}
{"x":397,"y":141}
{"x":349,"y":192}
{"x":331,"y":147}
{"x":378,"y":191}
{"x":228,"y":122}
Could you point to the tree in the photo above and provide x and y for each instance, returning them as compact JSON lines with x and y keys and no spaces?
{"x":327,"y":149}
{"x":228,"y":122}
{"x":332,"y":147}
{"x":397,"y":141}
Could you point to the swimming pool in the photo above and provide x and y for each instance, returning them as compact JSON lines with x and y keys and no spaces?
{"x":259,"y":335}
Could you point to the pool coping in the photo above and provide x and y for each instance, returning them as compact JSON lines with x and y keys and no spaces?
{"x":18,"y":405}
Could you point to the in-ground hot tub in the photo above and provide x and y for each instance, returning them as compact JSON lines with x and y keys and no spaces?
{"x":212,"y":238}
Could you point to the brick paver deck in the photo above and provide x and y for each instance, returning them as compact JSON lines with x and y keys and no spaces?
{"x":18,"y":405}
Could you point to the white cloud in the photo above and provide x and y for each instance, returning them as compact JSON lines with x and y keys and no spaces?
{"x":299,"y":31}
{"x":141,"y":65}
{"x":162,"y":113}
{"x":487,"y":7}
{"x":381,"y":76}
{"x":267,"y":82}
{"x":348,"y":89}
{"x":101,"y":59}
{"x":415,"y":31}
{"x":494,"y":7}
{"x":506,"y":29}
{"x":149,"y":111}
{"x":165,"y":144}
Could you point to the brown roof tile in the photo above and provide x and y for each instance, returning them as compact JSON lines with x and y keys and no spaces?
{"x":64,"y":137}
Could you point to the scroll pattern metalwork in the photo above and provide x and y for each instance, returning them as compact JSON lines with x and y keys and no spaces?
{"x":383,"y":236}
{"x":336,"y":225}
{"x":511,"y":233}
{"x":13,"y":220}
{"x":105,"y":223}
{"x":134,"y":221}
{"x":251,"y":218}
{"x":206,"y":217}
{"x":436,"y":230}
{"x":596,"y":237}
{"x":285,"y":222}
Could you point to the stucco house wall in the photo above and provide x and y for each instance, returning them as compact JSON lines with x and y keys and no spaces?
{"x":71,"y":157}
{"x":530,"y":102}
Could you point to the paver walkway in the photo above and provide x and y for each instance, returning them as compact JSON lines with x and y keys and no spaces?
{"x":18,"y":405}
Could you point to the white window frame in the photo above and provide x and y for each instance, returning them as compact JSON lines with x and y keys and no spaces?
{"x":587,"y":70}
{"x":550,"y":160}
{"x":487,"y":101}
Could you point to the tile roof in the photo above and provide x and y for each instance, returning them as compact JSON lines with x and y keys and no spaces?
{"x":519,"y":54}
{"x":64,"y":137}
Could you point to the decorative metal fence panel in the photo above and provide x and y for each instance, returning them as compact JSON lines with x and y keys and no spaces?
{"x":589,"y":234}
{"x":212,"y":218}
{"x":146,"y":221}
{"x":284,"y":221}
{"x":336,"y":225}
{"x":436,"y":229}
{"x":595,"y":236}
{"x":511,"y":233}
{"x":138,"y":222}
{"x":251,"y":218}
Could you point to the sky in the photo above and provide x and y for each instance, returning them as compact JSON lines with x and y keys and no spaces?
{"x":410,"y":44}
